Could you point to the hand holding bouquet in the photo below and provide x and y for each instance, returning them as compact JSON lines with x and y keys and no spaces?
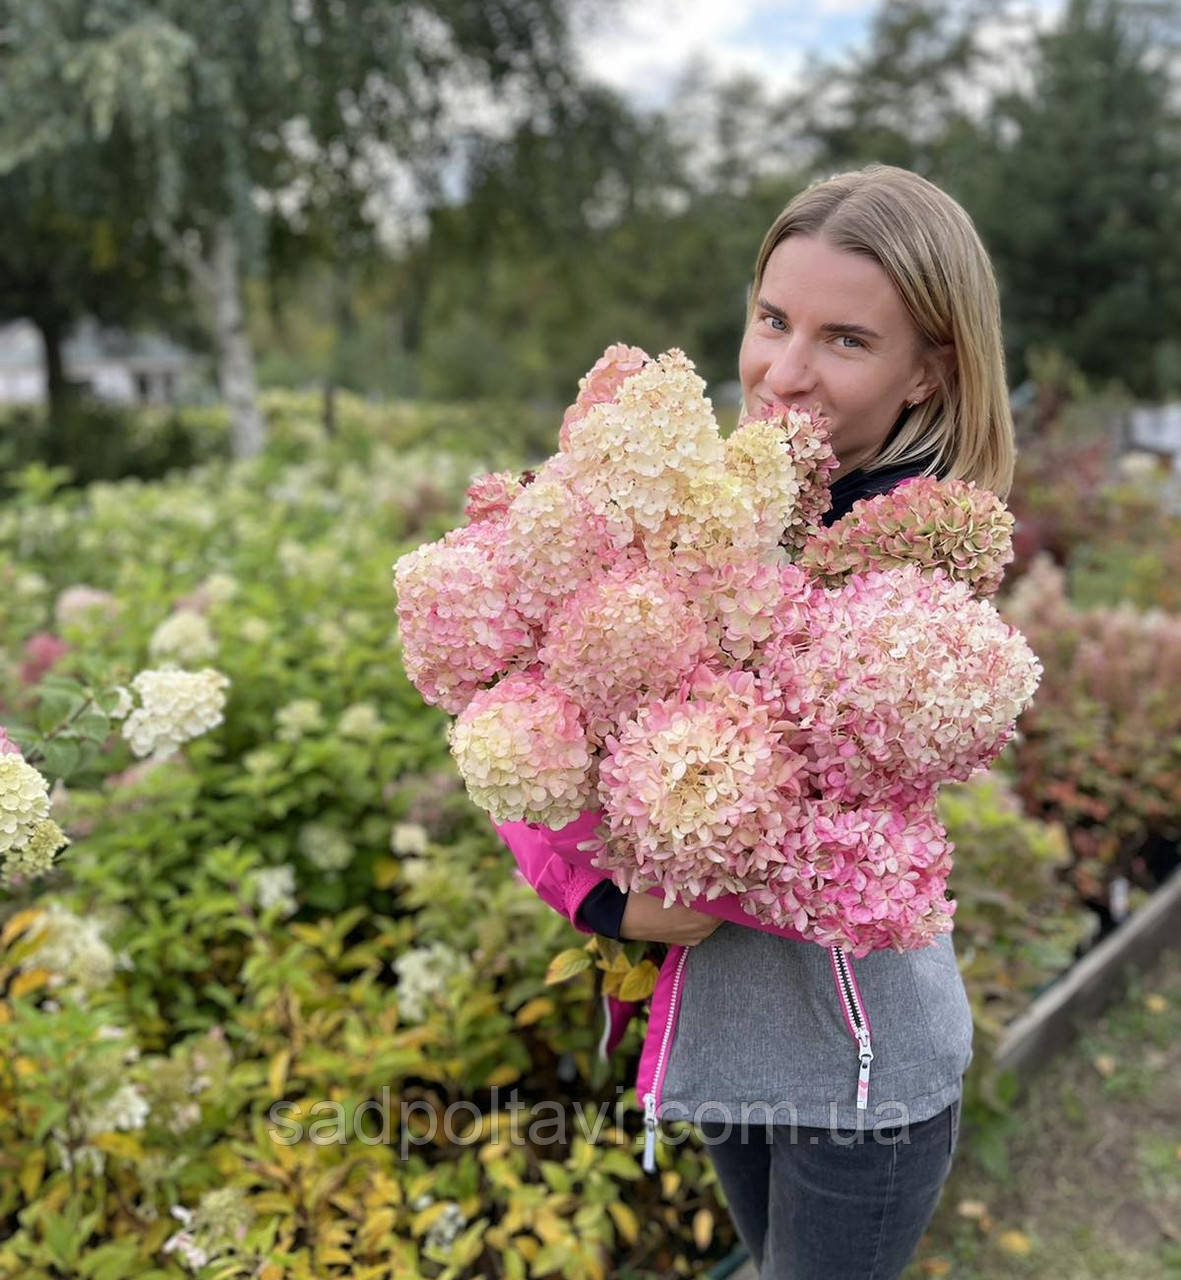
{"x":654,"y":628}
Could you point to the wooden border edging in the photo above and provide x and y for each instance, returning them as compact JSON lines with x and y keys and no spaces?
{"x":1050,"y":1021}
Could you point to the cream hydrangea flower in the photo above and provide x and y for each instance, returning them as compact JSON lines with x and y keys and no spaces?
{"x":176,"y":706}
{"x":360,"y":721}
{"x":424,"y":974}
{"x":185,"y":636}
{"x":36,"y":856}
{"x":783,"y":462}
{"x":299,"y":717}
{"x":24,"y":803}
{"x":72,"y":948}
{"x":522,"y":750}
{"x":634,"y":458}
{"x":325,"y":847}
{"x":408,"y":839}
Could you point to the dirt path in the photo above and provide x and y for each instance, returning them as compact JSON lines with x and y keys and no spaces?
{"x":1083,"y":1181}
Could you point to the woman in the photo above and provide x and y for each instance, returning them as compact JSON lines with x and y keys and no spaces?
{"x":873,"y":300}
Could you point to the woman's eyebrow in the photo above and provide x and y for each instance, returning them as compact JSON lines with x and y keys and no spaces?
{"x":859,"y":330}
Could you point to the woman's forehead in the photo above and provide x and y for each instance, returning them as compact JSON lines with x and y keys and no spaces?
{"x":806,"y":271}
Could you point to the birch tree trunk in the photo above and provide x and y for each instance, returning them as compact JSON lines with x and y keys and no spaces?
{"x":235,"y":364}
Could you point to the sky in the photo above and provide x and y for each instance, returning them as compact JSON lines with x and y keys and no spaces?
{"x":641,"y":46}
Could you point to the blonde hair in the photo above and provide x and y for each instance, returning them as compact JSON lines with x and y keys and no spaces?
{"x":929,"y":248}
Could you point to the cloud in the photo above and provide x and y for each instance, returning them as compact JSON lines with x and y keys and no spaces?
{"x":643,"y":47}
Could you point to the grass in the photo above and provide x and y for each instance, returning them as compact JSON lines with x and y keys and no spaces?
{"x":1083,"y":1180}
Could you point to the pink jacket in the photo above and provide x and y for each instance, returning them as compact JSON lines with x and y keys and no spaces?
{"x":561,"y":874}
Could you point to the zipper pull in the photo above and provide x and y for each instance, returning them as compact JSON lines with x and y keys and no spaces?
{"x":649,"y":1133}
{"x":865,"y":1057}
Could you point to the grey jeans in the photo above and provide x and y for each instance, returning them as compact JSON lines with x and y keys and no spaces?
{"x":832,"y":1204}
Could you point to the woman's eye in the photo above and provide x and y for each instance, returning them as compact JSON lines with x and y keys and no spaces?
{"x":775,"y":320}
{"x":848,"y":337}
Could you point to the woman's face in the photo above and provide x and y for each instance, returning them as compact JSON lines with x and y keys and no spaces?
{"x":830,"y":330}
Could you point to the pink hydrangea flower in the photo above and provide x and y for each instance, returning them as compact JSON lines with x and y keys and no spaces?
{"x":937,"y":524}
{"x":602,"y":382}
{"x":906,"y":678}
{"x":549,"y":544}
{"x":43,"y":651}
{"x":490,"y":496}
{"x":745,"y":603}
{"x":860,"y":878}
{"x":698,"y":790}
{"x":7,"y":746}
{"x":522,"y":751}
{"x":459,"y":629}
{"x":623,"y":638}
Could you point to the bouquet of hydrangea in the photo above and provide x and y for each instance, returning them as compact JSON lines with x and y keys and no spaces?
{"x":654,"y":629}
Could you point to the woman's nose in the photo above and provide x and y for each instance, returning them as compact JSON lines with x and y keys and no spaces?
{"x":790,"y":373}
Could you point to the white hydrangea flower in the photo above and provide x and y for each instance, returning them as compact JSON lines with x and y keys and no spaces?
{"x":408,"y":838}
{"x":445,"y":1228}
{"x":24,"y":802}
{"x":126,"y":1109}
{"x":177,"y":707}
{"x":124,"y":707}
{"x":325,"y":847}
{"x":72,"y":948}
{"x":275,"y":887}
{"x":255,"y":630}
{"x":303,"y":715}
{"x":333,"y":637}
{"x":184,"y":635}
{"x":220,"y":588}
{"x":423,"y":974}
{"x":29,"y":585}
{"x":359,"y":721}
{"x":36,"y":856}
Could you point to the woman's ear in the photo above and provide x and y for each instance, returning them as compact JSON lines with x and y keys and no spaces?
{"x":938,"y":366}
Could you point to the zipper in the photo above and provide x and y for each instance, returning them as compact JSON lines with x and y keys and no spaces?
{"x":858,"y":1023}
{"x":650,"y":1096}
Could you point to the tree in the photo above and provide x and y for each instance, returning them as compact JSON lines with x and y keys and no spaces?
{"x":194,"y":102}
{"x":896,"y":100}
{"x":1078,"y":196}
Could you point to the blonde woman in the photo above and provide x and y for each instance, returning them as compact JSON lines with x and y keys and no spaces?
{"x":827,"y":1091}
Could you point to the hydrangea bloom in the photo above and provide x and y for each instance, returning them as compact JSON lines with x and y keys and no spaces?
{"x":36,"y":855}
{"x":72,"y":948}
{"x":274,"y":887}
{"x":946,"y":524}
{"x":360,"y":721}
{"x":24,"y":802}
{"x":458,"y":627}
{"x":75,"y":603}
{"x":423,"y":975}
{"x":185,"y":636}
{"x":746,"y":603}
{"x":490,"y":496}
{"x":860,"y":878}
{"x":325,"y":847}
{"x":626,"y":636}
{"x":907,"y":678}
{"x":783,"y":461}
{"x":698,"y":790}
{"x":550,"y":543}
{"x":602,"y":383}
{"x":522,"y":750}
{"x":43,"y":651}
{"x":176,"y":706}
{"x":635,"y":458}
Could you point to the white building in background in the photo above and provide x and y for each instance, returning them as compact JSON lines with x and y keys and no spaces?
{"x":115,"y":366}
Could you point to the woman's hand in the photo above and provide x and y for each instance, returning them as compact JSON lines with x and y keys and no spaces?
{"x":646,"y":917}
